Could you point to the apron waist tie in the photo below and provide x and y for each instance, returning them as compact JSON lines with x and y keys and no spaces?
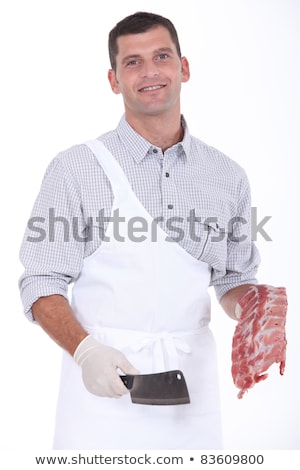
{"x":166,"y":345}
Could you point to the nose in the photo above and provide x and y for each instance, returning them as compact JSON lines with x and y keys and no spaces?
{"x":149,"y":69}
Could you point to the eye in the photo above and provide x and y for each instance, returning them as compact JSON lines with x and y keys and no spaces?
{"x":163,"y":56}
{"x":132,"y":63}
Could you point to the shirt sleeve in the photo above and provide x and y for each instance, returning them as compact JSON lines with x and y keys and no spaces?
{"x":51,"y":252}
{"x":243,"y":258}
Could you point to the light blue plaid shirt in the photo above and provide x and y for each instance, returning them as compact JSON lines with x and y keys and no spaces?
{"x":199,"y":196}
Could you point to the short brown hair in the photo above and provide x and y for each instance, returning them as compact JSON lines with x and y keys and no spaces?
{"x":139,"y":22}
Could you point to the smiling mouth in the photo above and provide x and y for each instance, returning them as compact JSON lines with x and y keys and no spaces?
{"x":151,"y":88}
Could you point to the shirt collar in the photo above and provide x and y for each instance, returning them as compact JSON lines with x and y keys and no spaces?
{"x":140,"y":147}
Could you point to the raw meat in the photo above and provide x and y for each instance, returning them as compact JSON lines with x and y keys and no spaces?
{"x":259,"y":339}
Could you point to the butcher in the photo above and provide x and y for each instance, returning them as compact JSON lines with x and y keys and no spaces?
{"x":141,"y":221}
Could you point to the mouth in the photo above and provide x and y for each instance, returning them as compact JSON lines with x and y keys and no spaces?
{"x":151,"y":88}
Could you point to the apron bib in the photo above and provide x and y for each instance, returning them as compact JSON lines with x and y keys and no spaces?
{"x":146,"y":296}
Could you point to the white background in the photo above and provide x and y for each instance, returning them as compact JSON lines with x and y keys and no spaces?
{"x":243,"y":98}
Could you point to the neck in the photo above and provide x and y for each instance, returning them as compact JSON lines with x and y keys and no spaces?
{"x":159,"y":131}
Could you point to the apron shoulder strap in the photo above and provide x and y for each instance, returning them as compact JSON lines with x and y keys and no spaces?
{"x":110,"y":166}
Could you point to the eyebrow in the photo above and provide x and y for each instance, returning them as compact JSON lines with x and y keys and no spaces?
{"x":160,"y":50}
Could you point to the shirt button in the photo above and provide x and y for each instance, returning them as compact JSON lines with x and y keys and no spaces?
{"x":170,"y":206}
{"x":167,"y":175}
{"x":155,"y":151}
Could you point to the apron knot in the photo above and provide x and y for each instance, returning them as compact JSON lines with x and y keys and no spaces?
{"x":166,"y":347}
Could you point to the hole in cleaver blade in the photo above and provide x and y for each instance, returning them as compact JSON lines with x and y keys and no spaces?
{"x":163,"y":388}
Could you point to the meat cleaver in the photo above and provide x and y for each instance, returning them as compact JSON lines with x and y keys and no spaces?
{"x":163,"y":388}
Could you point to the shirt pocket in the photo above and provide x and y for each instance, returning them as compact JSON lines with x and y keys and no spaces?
{"x":213,"y":242}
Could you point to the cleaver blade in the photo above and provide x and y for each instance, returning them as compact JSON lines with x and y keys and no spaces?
{"x":163,"y":388}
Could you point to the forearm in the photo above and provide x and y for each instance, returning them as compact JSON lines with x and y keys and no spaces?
{"x":99,"y":363}
{"x":55,"y":316}
{"x":229,"y":300}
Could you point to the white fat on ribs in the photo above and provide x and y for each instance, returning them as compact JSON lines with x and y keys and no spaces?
{"x":259,"y":339}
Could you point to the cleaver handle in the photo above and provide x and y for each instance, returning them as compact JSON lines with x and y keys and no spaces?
{"x":127,"y":380}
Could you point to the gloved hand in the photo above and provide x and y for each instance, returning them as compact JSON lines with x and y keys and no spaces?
{"x":99,"y":365}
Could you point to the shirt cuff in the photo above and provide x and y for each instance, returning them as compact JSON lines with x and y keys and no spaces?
{"x":220,"y":290}
{"x":37,"y":289}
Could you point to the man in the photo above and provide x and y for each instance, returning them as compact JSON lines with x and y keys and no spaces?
{"x":142,"y":220}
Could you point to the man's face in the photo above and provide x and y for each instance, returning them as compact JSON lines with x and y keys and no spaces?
{"x":149,"y":73}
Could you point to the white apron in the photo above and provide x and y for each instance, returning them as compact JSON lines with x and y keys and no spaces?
{"x":149,"y":299}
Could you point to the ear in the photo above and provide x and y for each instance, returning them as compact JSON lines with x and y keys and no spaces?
{"x":185,"y":68}
{"x":113,"y":81}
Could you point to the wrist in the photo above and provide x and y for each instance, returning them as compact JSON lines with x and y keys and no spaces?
{"x":83,"y":349}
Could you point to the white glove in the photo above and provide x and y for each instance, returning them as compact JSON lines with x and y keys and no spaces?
{"x":99,"y":364}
